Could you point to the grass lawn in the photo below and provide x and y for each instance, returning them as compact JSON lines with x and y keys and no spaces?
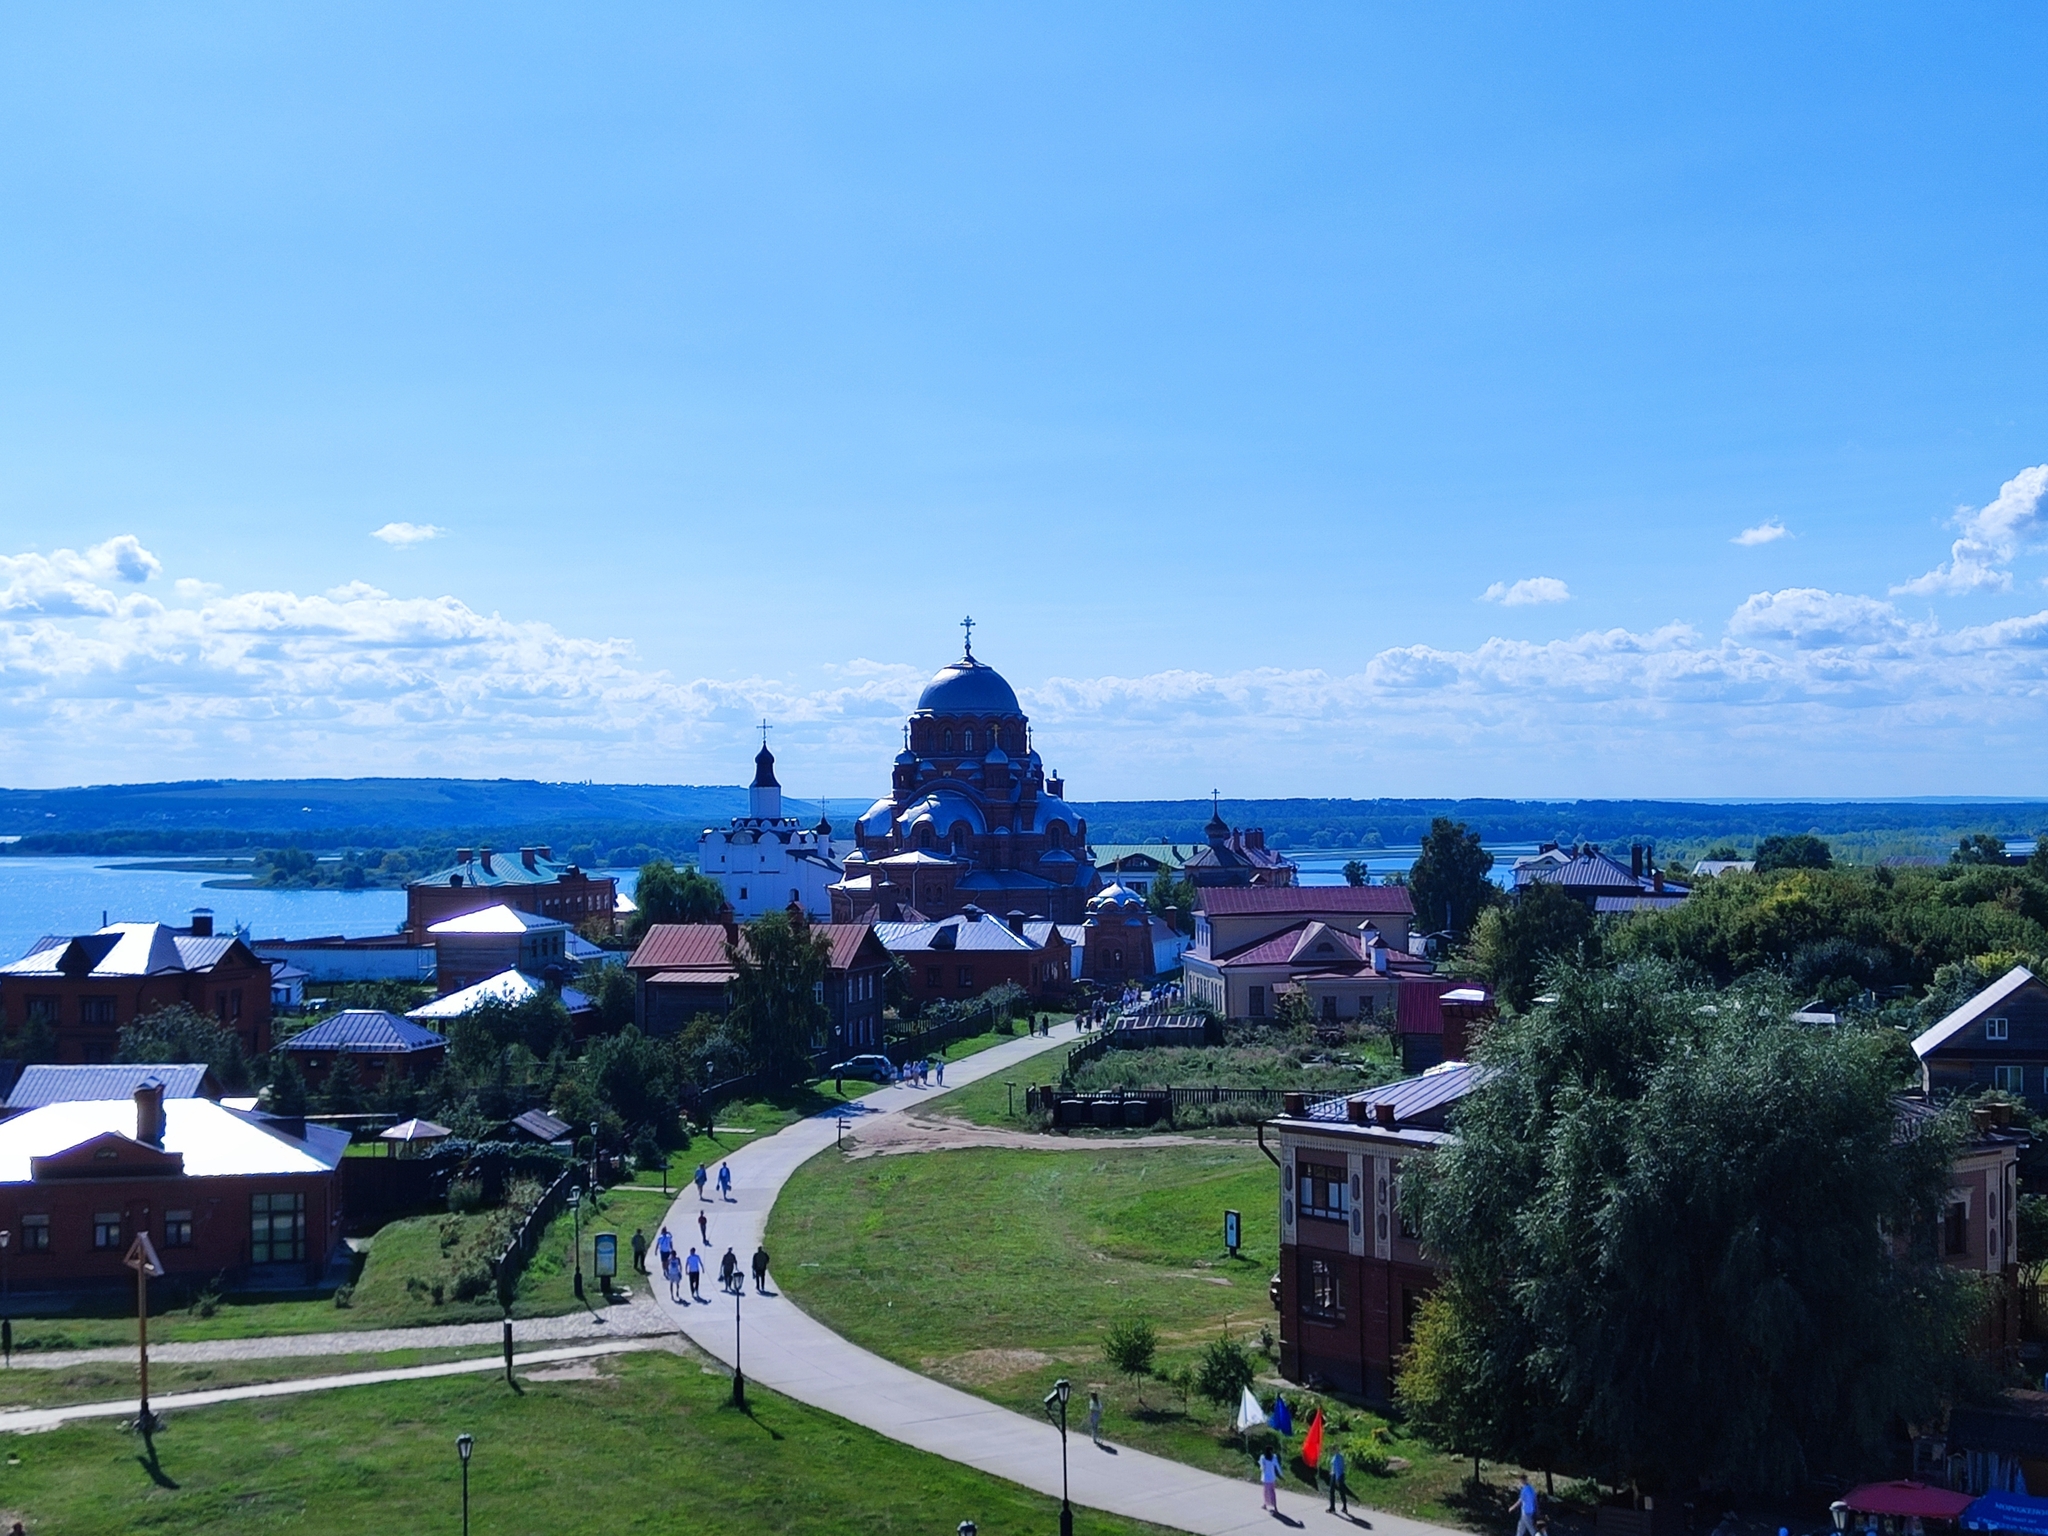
{"x":26,"y":1387}
{"x":421,"y":1248}
{"x":999,"y":1270}
{"x":643,"y":1442}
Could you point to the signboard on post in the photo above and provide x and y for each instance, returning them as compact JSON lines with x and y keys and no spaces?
{"x":607,"y":1246}
{"x":1233,"y":1227}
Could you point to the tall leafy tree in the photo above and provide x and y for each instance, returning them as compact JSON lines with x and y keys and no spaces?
{"x":777,"y":1002}
{"x":666,"y":894}
{"x":1795,"y":850}
{"x":1448,"y":882}
{"x":178,"y":1032}
{"x":1512,"y":945}
{"x":1356,"y":873}
{"x":1686,"y":1240}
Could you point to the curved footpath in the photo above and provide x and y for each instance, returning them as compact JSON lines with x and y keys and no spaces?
{"x":781,"y":1346}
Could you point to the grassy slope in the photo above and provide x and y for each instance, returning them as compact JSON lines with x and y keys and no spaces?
{"x":1000,"y":1270}
{"x":646,"y":1446}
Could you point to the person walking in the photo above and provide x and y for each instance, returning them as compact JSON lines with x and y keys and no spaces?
{"x":761,"y":1269}
{"x":703,"y":1229}
{"x":665,"y":1245}
{"x":1095,"y":1417}
{"x":729,"y":1272}
{"x":672,"y":1272}
{"x":1525,"y":1506}
{"x":703,"y":1178}
{"x":939,"y":1066}
{"x":1338,"y":1491}
{"x":639,"y":1252}
{"x":694,"y":1268}
{"x":1269,"y":1479}
{"x":724,"y":1181}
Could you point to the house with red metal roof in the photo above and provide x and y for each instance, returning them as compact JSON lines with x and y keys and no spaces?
{"x":1344,"y":946}
{"x":681,"y":970}
{"x":957,"y":958}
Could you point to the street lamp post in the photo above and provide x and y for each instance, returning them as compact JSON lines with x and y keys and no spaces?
{"x":464,"y":1444}
{"x":1061,"y":1391}
{"x":593,"y":1155}
{"x":739,"y":1380}
{"x":576,"y":1216}
{"x":6,"y":1301}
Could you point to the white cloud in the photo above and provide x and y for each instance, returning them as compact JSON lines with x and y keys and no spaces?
{"x":403,"y":535}
{"x":1762,"y":533}
{"x":1530,"y":589}
{"x":1992,"y":536}
{"x":1809,"y":618}
{"x":67,"y":584}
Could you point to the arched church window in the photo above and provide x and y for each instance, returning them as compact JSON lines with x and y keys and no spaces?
{"x":967,"y":739}
{"x":925,"y":839}
{"x":949,"y":741}
{"x":959,"y":839}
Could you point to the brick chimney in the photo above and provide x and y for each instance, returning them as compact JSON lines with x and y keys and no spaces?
{"x":1358,"y":1111}
{"x":1384,"y":1113}
{"x":483,"y":857}
{"x":1016,"y":922}
{"x":1294,"y":1105}
{"x":728,"y":923}
{"x":526,"y":858}
{"x":149,"y":1113}
{"x":1657,"y":881}
{"x":462,"y":855}
{"x":202,"y":922}
{"x":1635,"y":860}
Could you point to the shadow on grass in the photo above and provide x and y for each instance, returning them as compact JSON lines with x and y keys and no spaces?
{"x":153,"y":1466}
{"x":748,"y":1411}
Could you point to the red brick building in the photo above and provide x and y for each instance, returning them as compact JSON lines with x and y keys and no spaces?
{"x":530,"y":881}
{"x":86,"y":987}
{"x":381,"y":1046}
{"x":964,"y":956}
{"x":218,"y":1191}
{"x":682,"y":969}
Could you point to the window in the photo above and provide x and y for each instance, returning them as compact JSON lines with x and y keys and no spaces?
{"x":966,"y":976}
{"x":35,"y":1234}
{"x":106,"y":1229}
{"x":967,"y":739}
{"x":933,"y":976}
{"x":1324,"y":1190}
{"x":277,"y":1229}
{"x":1330,"y":1007}
{"x":949,"y":741}
{"x":1322,"y":1290}
{"x":1255,"y":1002}
{"x":1955,"y":1229}
{"x":42,"y":1010}
{"x":2012,"y":1079}
{"x":95,"y":1010}
{"x":743,"y":893}
{"x":177,"y":1229}
{"x":1995,"y":1029}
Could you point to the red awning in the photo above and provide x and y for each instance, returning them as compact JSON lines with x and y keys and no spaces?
{"x":1904,"y":1498}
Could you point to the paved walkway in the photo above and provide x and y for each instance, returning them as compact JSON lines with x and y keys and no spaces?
{"x":782,"y":1347}
{"x":638,"y":1318}
{"x":30,"y":1420}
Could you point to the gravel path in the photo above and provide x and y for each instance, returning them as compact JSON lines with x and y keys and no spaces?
{"x":638,"y":1318}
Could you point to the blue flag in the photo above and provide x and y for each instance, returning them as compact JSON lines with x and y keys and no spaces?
{"x":1282,"y":1417}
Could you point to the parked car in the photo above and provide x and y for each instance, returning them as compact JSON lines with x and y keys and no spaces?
{"x":876,"y":1069}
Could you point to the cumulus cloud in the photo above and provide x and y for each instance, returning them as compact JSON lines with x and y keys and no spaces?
{"x":402,"y":535}
{"x":1530,"y":589}
{"x":1808,"y":618}
{"x":1762,"y":533}
{"x":1992,"y":536}
{"x":66,"y":584}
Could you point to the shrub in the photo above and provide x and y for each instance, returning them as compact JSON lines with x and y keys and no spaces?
{"x":439,"y":1290}
{"x":1224,"y":1371}
{"x":473,"y":1280}
{"x":345,"y":1295}
{"x":465,"y":1197}
{"x":1369,"y":1458}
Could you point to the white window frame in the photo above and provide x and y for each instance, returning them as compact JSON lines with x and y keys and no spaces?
{"x":1996,"y":1029}
{"x":2009,"y":1079}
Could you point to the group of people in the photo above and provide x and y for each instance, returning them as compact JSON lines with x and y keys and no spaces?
{"x":702,"y":1177}
{"x":688,"y":1269}
{"x":922,"y":1073}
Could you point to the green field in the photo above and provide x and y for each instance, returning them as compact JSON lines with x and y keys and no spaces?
{"x":643,"y":1442}
{"x":27,"y":1386}
{"x":1000,"y":1270}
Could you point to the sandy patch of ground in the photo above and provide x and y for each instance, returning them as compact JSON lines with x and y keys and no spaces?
{"x":888,"y":1135}
{"x":568,"y":1370}
{"x":984,"y":1367}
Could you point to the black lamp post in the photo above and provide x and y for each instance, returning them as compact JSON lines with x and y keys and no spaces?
{"x":1839,"y":1513}
{"x":1061,"y":1391}
{"x":739,"y":1381}
{"x":576,"y":1215}
{"x":464,"y":1444}
{"x":6,"y":1301}
{"x":593,"y":1157}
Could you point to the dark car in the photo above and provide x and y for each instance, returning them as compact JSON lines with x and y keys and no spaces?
{"x":876,"y":1069}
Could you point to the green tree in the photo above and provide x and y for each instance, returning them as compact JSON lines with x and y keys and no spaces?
{"x":286,"y":1094}
{"x":778,"y":993}
{"x":1666,"y":1197}
{"x":1129,"y":1348}
{"x":178,"y":1032}
{"x":666,"y":894}
{"x":1448,"y":882}
{"x":1224,"y":1369}
{"x":1794,"y":850}
{"x":342,"y":1093}
{"x":1512,"y":945}
{"x":1356,"y":873}
{"x":2037,"y":861}
{"x":609,"y":986}
{"x":1979,"y":848}
{"x":1173,"y":898}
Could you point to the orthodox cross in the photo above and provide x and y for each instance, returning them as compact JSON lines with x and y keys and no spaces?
{"x":968,"y":625}
{"x":764,"y":728}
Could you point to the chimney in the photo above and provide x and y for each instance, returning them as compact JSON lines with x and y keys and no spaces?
{"x":1657,"y":881}
{"x":1256,"y":838}
{"x":1379,"y":959}
{"x":725,"y":921}
{"x":547,"y":852}
{"x":462,"y":855}
{"x":526,"y":858}
{"x":202,"y":922}
{"x":1384,"y":1113}
{"x":149,"y":1113}
{"x":1635,"y":860}
{"x":483,"y":857}
{"x":1358,"y":1111}
{"x":1294,"y":1105}
{"x":1016,"y":921}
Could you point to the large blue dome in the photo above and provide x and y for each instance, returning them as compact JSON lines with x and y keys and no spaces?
{"x":968,"y":688}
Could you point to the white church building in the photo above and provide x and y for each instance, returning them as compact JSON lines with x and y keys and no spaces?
{"x":765,"y":860}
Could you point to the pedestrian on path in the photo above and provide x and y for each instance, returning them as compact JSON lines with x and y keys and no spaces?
{"x":694,"y":1266}
{"x":703,"y":1178}
{"x":665,"y":1245}
{"x":761,"y":1269}
{"x":939,"y":1066}
{"x":1269,"y":1478}
{"x":639,"y":1252}
{"x":1095,"y":1417}
{"x":729,"y":1272}
{"x":724,"y":1181}
{"x":704,"y":1229}
{"x":1525,"y":1505}
{"x":1338,"y":1491}
{"x":672,"y":1272}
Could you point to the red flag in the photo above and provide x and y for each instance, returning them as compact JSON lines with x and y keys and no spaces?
{"x":1312,"y":1447}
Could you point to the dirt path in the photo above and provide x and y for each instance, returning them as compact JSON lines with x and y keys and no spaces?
{"x":912,"y":1131}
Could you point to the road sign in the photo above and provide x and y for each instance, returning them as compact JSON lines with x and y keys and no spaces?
{"x":142,"y":1256}
{"x":607,"y":1246}
{"x":1233,"y":1225}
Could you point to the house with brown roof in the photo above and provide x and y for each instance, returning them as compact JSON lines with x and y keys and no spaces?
{"x":1344,"y":946}
{"x":1234,"y":857}
{"x":957,"y":958}
{"x":1998,"y":1039}
{"x":532,"y":880}
{"x":683,"y":969}
{"x":85,"y":987}
{"x":1603,"y":883}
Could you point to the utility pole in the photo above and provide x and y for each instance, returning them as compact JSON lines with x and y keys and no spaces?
{"x":143,"y":1260}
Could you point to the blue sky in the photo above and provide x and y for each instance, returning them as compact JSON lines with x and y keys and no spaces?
{"x":1338,"y":400}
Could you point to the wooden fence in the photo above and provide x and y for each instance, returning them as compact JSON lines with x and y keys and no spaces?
{"x":511,"y":1264}
{"x":1139,"y":1106}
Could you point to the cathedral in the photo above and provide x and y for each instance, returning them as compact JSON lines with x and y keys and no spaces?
{"x":972,"y":818}
{"x":766,"y":861}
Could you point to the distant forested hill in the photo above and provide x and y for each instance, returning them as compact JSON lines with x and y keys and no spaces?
{"x":625,"y":822}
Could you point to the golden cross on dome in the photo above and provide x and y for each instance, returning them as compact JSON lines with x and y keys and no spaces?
{"x":968,"y":625}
